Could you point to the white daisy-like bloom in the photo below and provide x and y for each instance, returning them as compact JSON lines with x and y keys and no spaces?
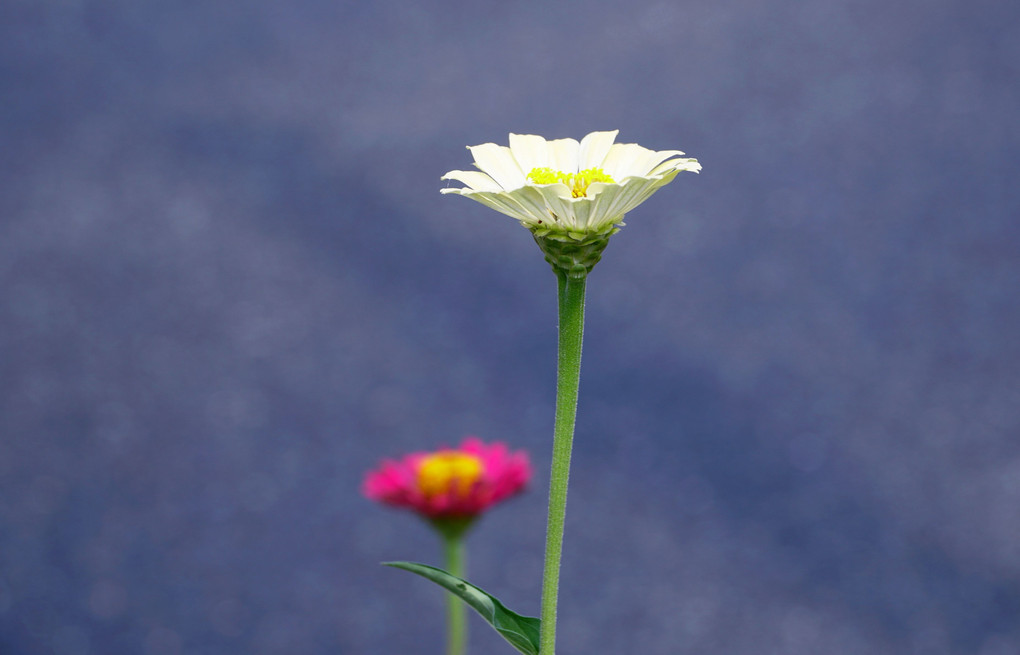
{"x":565,"y":190}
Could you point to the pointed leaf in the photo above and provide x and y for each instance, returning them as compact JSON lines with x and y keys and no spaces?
{"x":520,"y":631}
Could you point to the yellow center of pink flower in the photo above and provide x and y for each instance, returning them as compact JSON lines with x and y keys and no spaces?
{"x":443,"y":472}
{"x":576,"y":182}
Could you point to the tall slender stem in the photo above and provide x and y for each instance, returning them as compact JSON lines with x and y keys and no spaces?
{"x":456,"y":623}
{"x":568,"y":374}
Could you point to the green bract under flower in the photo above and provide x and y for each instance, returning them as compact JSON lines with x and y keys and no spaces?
{"x":565,"y":190}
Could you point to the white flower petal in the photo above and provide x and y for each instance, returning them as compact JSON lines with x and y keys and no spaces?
{"x":623,"y":159}
{"x":558,"y":199}
{"x":533,"y":202}
{"x":666,"y":166}
{"x":475,"y":180}
{"x":499,"y":164}
{"x":630,"y":194}
{"x":602,"y":197}
{"x":604,"y":209}
{"x":582,"y":210}
{"x":691,"y":165}
{"x":594,"y":148}
{"x":653,"y":158}
{"x":501,"y":202}
{"x":564,"y":155}
{"x":530,"y":151}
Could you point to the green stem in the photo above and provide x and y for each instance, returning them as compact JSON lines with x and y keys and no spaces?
{"x":456,"y":624}
{"x":568,"y":374}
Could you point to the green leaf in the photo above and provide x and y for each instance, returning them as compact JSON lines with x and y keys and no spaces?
{"x":520,"y":631}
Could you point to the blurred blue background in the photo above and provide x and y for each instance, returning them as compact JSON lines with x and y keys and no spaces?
{"x":230,"y":286}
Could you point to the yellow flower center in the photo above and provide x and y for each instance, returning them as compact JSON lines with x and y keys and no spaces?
{"x":576,"y":182}
{"x":440,"y":473}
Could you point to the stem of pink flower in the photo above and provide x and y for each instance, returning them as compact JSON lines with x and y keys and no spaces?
{"x":456,"y":620}
{"x":568,"y":374}
{"x":452,"y":531}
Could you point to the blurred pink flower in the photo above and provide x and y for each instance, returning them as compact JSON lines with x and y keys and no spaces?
{"x":451,"y":483}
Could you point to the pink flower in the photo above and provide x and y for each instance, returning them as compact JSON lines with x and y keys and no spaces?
{"x":451,"y":483}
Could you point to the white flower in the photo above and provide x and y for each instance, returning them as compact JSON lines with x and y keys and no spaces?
{"x":564,"y":189}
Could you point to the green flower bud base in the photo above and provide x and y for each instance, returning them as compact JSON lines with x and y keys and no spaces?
{"x":572,"y":253}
